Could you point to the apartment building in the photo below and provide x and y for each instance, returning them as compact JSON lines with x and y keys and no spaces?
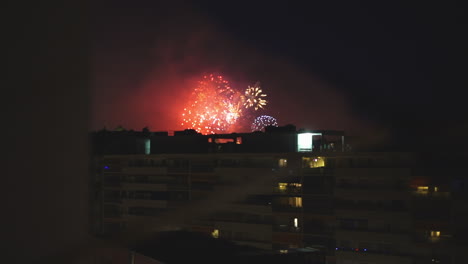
{"x":283,"y":191}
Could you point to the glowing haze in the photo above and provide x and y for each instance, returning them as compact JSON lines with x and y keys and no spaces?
{"x":147,"y":71}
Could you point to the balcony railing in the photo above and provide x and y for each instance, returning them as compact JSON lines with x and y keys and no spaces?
{"x":433,"y":195}
{"x":317,"y":231}
{"x":373,"y":251}
{"x":369,"y":187}
{"x":370,"y":207}
{"x":286,"y":228}
{"x":286,"y":208}
{"x":243,"y":221}
{"x":287,"y":191}
{"x":372,"y":230}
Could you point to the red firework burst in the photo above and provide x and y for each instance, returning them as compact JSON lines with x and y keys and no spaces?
{"x":213,"y":107}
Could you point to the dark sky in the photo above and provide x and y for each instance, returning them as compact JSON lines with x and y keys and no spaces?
{"x":351,"y":65}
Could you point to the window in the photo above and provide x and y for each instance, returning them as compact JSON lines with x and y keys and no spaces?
{"x":295,"y":201}
{"x":296,"y":222}
{"x":422,"y":190}
{"x":436,"y":189}
{"x":305,"y":141}
{"x":282,"y":186}
{"x":435,"y":233}
{"x":239,"y":140}
{"x":215,"y":233}
{"x":313,"y":162}
{"x":147,"y":146}
{"x":283,"y":163}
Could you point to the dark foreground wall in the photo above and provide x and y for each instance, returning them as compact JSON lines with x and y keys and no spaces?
{"x":44,"y":187}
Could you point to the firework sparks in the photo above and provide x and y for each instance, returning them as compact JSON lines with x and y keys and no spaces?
{"x":253,"y":97}
{"x":263,"y":121}
{"x":213,"y":107}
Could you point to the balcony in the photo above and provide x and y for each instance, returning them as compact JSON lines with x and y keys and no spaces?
{"x":317,"y":230}
{"x":144,"y":186}
{"x":389,"y":255}
{"x":288,"y":190}
{"x":248,"y":221}
{"x":286,"y":228}
{"x":316,"y":172}
{"x":370,"y":207}
{"x":145,"y":203}
{"x":343,"y":229}
{"x":434,"y":240}
{"x":177,"y":187}
{"x":430,"y":195}
{"x":178,"y":170}
{"x":286,"y":208}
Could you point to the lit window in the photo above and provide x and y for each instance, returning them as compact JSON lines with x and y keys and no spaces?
{"x":147,"y":146}
{"x":436,"y":189}
{"x":282,"y":186}
{"x":304,"y":142}
{"x":434,"y":236}
{"x":296,"y":222}
{"x":283,"y":163}
{"x":295,"y":201}
{"x":283,"y":251}
{"x":297,"y":185}
{"x":422,"y":189}
{"x":316,"y":162}
{"x":239,"y":140}
{"x":215,"y":233}
{"x":210,"y":140}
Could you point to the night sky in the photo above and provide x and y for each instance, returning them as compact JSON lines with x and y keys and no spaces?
{"x":362,"y":67}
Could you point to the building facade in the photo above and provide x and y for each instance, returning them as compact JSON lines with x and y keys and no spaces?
{"x":282,"y":191}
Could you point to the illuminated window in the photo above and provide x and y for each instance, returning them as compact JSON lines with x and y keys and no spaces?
{"x":434,"y":236}
{"x":283,"y":163}
{"x":422,"y":189}
{"x":436,"y":189}
{"x":313,"y":162}
{"x":147,"y":146}
{"x":297,"y":185}
{"x":304,"y":142}
{"x":295,"y":201}
{"x":238,"y":140}
{"x":215,"y":233}
{"x":296,"y":222}
{"x":283,"y":251}
{"x":282,"y":186}
{"x":210,"y":140}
